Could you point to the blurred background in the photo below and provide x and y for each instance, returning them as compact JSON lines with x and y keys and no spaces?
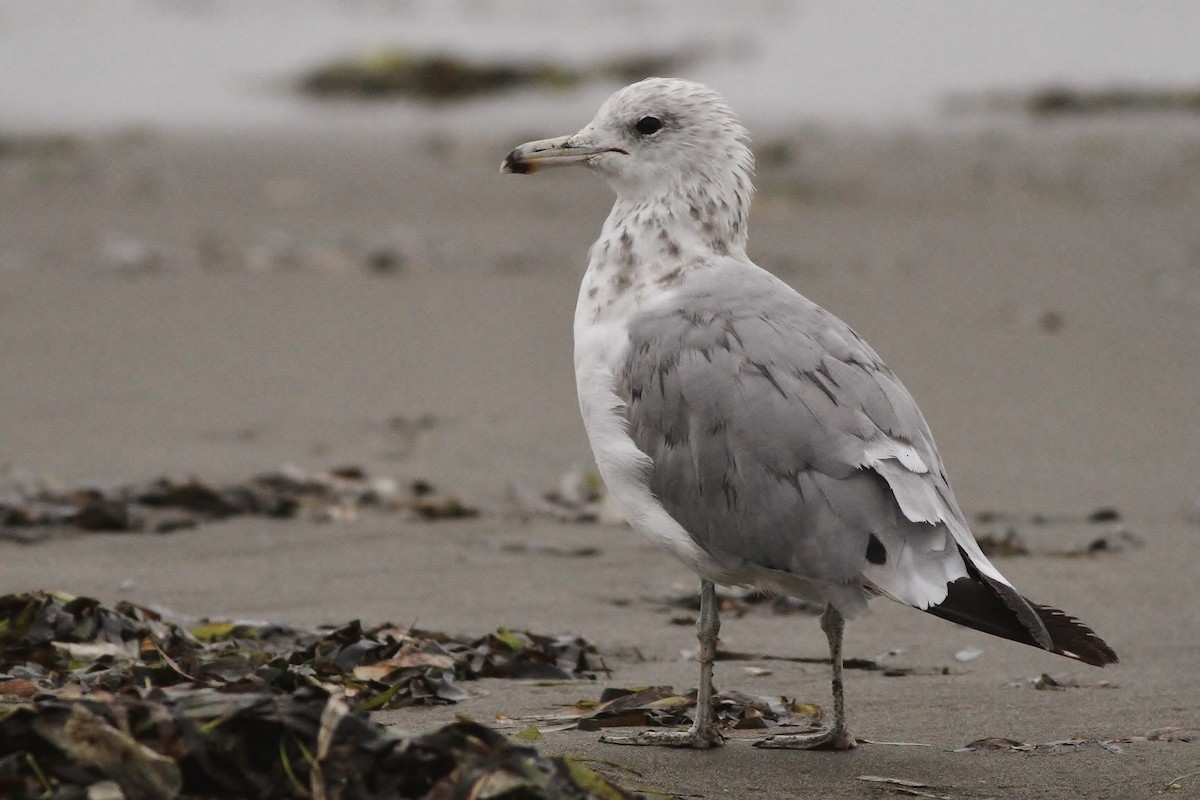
{"x":188,"y":64}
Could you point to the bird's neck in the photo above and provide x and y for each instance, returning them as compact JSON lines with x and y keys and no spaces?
{"x":646,"y":237}
{"x":705,"y":219}
{"x":650,"y":244}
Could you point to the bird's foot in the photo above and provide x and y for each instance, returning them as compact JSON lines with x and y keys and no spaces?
{"x":821,"y":740}
{"x":699,"y":739}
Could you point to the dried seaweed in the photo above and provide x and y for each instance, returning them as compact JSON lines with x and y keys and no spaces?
{"x":55,"y":642}
{"x":157,"y":744}
{"x":166,"y":505}
{"x":118,"y":697}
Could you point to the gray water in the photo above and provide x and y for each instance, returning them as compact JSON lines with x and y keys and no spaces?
{"x":230,"y":64}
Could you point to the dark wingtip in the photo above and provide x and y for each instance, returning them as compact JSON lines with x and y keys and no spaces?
{"x":1073,"y":639}
{"x":996,"y":608}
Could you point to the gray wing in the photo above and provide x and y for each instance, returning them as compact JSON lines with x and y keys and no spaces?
{"x":780,"y":439}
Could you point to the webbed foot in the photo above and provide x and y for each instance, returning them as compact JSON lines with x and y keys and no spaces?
{"x":820,"y":740}
{"x":700,"y":739}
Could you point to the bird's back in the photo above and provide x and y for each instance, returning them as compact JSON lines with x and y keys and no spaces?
{"x":760,"y":411}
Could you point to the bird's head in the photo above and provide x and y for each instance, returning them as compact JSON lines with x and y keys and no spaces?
{"x":655,"y":137}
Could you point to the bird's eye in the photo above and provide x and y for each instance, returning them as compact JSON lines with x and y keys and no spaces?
{"x":647,"y":126}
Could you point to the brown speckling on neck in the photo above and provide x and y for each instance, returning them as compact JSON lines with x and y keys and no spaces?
{"x":625,"y":257}
{"x":670,"y":248}
{"x":672,"y":277}
{"x":652,"y":244}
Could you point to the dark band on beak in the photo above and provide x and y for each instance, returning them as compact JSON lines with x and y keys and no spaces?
{"x":560,"y":152}
{"x":515,"y":164}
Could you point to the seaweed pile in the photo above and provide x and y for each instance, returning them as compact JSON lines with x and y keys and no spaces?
{"x":118,"y":702}
{"x":204,"y":743}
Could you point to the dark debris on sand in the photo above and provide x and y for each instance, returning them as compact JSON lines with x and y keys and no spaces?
{"x":1007,"y":539}
{"x":98,"y":699}
{"x":444,"y":77}
{"x":166,"y":505}
{"x":1066,"y":100}
{"x":1072,"y":102}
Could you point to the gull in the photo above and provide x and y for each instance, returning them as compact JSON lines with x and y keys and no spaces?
{"x":744,"y":428}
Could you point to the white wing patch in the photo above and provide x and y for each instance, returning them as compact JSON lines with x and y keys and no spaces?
{"x":906,"y":454}
{"x":905,"y":471}
{"x":907,"y":475}
{"x":917,"y":573}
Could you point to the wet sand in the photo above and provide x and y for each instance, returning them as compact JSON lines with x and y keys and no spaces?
{"x":203,"y":306}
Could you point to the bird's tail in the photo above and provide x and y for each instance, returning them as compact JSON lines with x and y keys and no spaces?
{"x":987,"y":605}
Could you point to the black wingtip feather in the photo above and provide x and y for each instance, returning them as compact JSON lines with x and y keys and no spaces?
{"x":1073,"y":639}
{"x":978,"y":604}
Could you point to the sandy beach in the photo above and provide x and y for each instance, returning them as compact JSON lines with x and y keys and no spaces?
{"x":219,"y":305}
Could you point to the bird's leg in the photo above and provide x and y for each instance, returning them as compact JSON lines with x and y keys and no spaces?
{"x":708,"y":625}
{"x":838,"y":736}
{"x":703,"y":732}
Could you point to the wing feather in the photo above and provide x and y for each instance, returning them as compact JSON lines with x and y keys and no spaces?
{"x":779,"y":439}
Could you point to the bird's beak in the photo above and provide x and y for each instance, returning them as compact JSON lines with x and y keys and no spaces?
{"x":560,"y":152}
